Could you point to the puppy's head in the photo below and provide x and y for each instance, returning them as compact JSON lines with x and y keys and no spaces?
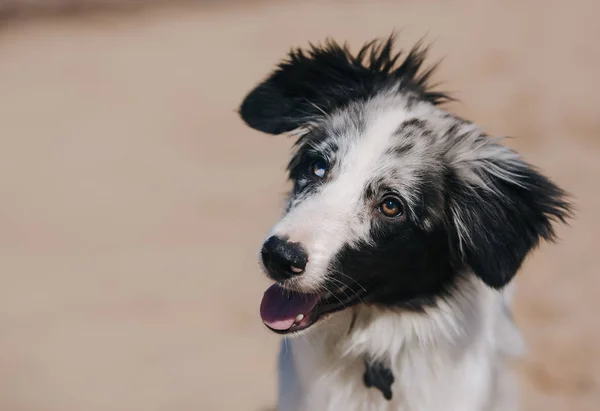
{"x":393,"y":198}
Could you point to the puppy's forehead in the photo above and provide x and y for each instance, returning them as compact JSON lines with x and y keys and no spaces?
{"x":356,"y":124}
{"x":380,"y":135}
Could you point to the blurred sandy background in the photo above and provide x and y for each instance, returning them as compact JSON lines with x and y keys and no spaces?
{"x":133,"y":200}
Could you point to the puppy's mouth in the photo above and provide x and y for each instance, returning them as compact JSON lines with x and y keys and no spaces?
{"x":284,"y":311}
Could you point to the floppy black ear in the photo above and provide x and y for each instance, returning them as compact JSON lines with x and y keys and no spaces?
{"x":501,"y":211}
{"x":314,"y":82}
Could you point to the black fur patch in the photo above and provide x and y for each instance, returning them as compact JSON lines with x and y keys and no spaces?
{"x":403,"y":266}
{"x":323,"y":78}
{"x":414,"y":123}
{"x":506,"y":220}
{"x":379,"y":376}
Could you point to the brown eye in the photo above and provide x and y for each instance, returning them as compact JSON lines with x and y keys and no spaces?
{"x":390,"y":207}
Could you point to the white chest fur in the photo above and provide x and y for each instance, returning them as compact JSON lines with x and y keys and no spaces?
{"x":449,"y":358}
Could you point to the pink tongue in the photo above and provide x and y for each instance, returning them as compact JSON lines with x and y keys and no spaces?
{"x":279,"y":307}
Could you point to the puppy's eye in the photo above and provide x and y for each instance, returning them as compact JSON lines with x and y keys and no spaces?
{"x":390,"y":207}
{"x":319,"y":168}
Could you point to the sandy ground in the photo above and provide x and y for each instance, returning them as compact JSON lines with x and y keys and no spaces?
{"x":133,"y":200}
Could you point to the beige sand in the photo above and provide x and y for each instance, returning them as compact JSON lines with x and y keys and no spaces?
{"x":133,"y":199}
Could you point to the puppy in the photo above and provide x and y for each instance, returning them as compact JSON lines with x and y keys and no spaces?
{"x":404,"y":228}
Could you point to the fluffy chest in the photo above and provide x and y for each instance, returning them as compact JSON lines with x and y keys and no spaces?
{"x":446,"y":363}
{"x":309,"y":380}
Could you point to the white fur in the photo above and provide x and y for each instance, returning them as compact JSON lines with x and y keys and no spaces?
{"x":446,"y":359}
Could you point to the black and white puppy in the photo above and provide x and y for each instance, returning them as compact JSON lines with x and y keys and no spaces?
{"x":403,"y":229}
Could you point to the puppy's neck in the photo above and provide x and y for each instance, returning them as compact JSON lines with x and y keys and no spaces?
{"x":470,"y":314}
{"x":452,"y":349}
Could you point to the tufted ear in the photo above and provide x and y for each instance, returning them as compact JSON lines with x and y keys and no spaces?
{"x":312,"y":83}
{"x":501,"y":207}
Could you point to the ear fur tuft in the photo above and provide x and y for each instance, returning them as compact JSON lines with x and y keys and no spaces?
{"x":324,"y":77}
{"x":504,"y":216}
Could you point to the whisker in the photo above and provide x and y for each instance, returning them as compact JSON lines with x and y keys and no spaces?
{"x":348,"y":287}
{"x":338,"y":298}
{"x":341,"y":288}
{"x":347,"y":276}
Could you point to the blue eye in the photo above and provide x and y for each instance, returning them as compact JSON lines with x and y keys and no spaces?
{"x":319,"y":168}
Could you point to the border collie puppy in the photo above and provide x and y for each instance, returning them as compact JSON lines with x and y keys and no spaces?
{"x":404,"y":227}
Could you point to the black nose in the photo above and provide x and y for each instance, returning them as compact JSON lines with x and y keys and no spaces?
{"x":282,"y":259}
